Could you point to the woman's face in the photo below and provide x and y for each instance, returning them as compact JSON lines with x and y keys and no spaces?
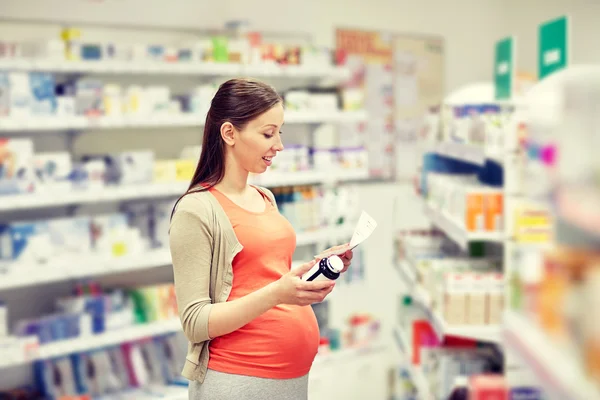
{"x":255,"y":146}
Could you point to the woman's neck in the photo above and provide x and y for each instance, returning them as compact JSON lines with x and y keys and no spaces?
{"x":235,"y":179}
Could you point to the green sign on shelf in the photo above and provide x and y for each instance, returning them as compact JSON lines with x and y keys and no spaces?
{"x":504,"y":68}
{"x":553,"y":46}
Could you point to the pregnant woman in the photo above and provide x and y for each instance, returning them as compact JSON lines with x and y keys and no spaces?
{"x":252,"y":333}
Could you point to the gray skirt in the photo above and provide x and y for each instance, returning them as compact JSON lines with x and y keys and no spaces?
{"x":223,"y":386}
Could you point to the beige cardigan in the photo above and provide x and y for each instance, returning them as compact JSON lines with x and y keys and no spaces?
{"x":203,"y":245}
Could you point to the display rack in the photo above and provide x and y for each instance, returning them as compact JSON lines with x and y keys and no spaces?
{"x":477,"y":93}
{"x":33,"y":277}
{"x":555,"y":361}
{"x":44,"y":124}
{"x":109,"y":194}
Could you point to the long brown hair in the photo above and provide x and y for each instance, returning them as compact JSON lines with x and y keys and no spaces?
{"x":237,"y":101}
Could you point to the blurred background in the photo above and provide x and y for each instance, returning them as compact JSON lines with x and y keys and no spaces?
{"x":467,"y":130}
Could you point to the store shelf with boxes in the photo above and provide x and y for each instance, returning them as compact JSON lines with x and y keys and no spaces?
{"x":75,"y":220}
{"x":450,"y":309}
{"x":553,"y":258}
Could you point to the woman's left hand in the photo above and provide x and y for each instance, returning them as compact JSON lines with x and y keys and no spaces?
{"x":346,"y":256}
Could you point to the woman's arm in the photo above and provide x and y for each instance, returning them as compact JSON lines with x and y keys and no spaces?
{"x":191,"y":252}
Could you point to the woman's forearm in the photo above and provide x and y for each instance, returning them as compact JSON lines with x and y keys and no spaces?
{"x":230,"y":316}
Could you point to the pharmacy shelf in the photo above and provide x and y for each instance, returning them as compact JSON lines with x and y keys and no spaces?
{"x":339,"y":234}
{"x":559,"y":372}
{"x":176,"y":68}
{"x":110,"y":338}
{"x":87,"y":343}
{"x":349,"y":353}
{"x":461,"y":151}
{"x":24,"y":275}
{"x":457,"y":231}
{"x":92,"y":266}
{"x":273,"y":178}
{"x":416,"y":374}
{"x":483,"y":333}
{"x":407,"y":273}
{"x":56,"y":198}
{"x":333,"y":116}
{"x":54,"y":123}
{"x":39,"y":200}
{"x":57,"y":123}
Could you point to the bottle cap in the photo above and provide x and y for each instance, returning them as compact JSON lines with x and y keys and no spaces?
{"x":335,"y":263}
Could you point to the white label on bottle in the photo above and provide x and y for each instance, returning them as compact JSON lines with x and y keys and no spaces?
{"x":311,"y":272}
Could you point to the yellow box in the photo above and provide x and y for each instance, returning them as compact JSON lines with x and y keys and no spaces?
{"x":185,"y":169}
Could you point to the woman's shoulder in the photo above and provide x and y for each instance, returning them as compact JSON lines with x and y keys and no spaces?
{"x":267,"y":193}
{"x":198,"y":204}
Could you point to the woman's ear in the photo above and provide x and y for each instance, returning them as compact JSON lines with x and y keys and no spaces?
{"x":228,"y":133}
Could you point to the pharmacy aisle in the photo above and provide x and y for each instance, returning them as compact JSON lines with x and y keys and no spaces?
{"x":91,"y":162}
{"x":450,"y":306}
{"x":552,"y":323}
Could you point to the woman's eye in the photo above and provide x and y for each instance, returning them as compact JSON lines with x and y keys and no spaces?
{"x":268,"y":135}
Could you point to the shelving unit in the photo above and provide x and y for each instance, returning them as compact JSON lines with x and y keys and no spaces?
{"x":109,"y":338}
{"x":57,"y":274}
{"x":457,"y":231}
{"x":175,"y":68}
{"x":484,"y":333}
{"x":44,"y":124}
{"x":558,"y":364}
{"x":98,"y":266}
{"x":39,"y":200}
{"x":416,"y":374}
{"x":554,"y":365}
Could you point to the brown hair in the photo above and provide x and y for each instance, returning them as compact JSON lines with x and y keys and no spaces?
{"x":237,"y":101}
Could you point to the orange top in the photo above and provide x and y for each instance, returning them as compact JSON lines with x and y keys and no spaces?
{"x":281,"y":343}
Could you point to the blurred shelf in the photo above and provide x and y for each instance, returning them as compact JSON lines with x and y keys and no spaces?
{"x":276,"y":179}
{"x":416,"y":374}
{"x":58,"y":123}
{"x":578,"y":215}
{"x":84,"y":267}
{"x":482,"y":333}
{"x":461,"y":151}
{"x":176,"y":68}
{"x":309,"y":117}
{"x":407,"y":273}
{"x":558,"y":370}
{"x":338,"y":234}
{"x":42,"y":199}
{"x":336,"y":356}
{"x":457,"y":231}
{"x":58,"y":271}
{"x":110,"y":338}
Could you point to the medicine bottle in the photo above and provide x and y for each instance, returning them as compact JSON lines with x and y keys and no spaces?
{"x":326,"y":269}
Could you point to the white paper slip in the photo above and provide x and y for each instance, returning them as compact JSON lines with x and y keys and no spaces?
{"x":363,"y":229}
{"x":365,"y":226}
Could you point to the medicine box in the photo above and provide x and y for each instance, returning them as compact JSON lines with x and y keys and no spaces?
{"x":16,"y":160}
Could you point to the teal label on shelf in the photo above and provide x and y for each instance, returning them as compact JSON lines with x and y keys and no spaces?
{"x":553,"y":46}
{"x":504,"y":68}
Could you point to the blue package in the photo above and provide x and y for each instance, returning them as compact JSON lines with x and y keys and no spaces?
{"x":43,"y":97}
{"x":91,"y":52}
{"x":4,"y":94}
{"x":55,"y":378}
{"x":525,"y":393}
{"x":26,"y":242}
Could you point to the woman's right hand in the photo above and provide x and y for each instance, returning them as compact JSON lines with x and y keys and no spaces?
{"x":291,"y":289}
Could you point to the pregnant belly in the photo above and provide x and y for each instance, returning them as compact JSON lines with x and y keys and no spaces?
{"x":280,"y":344}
